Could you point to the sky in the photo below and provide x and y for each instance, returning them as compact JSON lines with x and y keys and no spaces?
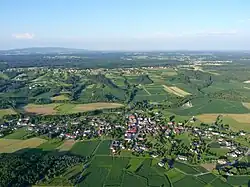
{"x":126,"y":24}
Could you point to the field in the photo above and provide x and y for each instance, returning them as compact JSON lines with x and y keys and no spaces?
{"x":84,"y":148}
{"x":67,"y":108}
{"x":18,"y":134}
{"x":66,"y":145}
{"x":10,"y":146}
{"x":189,"y":181}
{"x":4,"y":112}
{"x":50,"y":145}
{"x":104,"y":148}
{"x":60,"y":98}
{"x":239,"y":180}
{"x":186,"y":168}
{"x":175,"y":90}
{"x":236,"y":121}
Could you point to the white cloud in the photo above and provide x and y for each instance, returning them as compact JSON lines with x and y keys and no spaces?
{"x":244,"y":20}
{"x":23,"y":36}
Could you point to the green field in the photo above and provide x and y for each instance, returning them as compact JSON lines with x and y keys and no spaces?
{"x":50,"y":145}
{"x":18,"y":134}
{"x":4,"y":112}
{"x":186,"y":168}
{"x":104,"y":148}
{"x":84,"y":148}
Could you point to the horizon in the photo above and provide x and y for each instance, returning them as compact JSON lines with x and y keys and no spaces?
{"x":126,"y":25}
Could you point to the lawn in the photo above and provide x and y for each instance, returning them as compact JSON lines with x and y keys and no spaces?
{"x":84,"y":148}
{"x":4,"y":112}
{"x":220,"y":151}
{"x":17,"y":145}
{"x":18,"y":134}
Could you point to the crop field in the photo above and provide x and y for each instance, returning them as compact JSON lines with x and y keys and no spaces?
{"x":220,"y":151}
{"x":41,"y":109}
{"x":10,"y":146}
{"x":207,"y":178}
{"x":50,"y":145}
{"x":67,"y":108}
{"x":134,"y":164}
{"x":4,"y":112}
{"x":186,"y":168}
{"x":84,"y":148}
{"x":66,"y":145}
{"x":213,"y":106}
{"x":239,"y":180}
{"x":18,"y":134}
{"x":189,"y":181}
{"x":236,"y":121}
{"x":130,"y":179}
{"x":94,"y":177}
{"x":175,"y":90}
{"x":175,"y":175}
{"x":209,"y":166}
{"x":220,"y":183}
{"x":104,"y":148}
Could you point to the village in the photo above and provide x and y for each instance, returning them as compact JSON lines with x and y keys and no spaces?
{"x":143,"y":135}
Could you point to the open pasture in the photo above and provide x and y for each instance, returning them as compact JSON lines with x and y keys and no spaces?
{"x":176,"y":91}
{"x":104,"y":148}
{"x":10,"y":146}
{"x":60,"y":98}
{"x":18,"y":134}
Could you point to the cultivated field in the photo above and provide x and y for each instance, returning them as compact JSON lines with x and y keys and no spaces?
{"x":175,"y":90}
{"x":42,"y":109}
{"x":66,"y":145}
{"x":67,"y":108}
{"x":10,"y":146}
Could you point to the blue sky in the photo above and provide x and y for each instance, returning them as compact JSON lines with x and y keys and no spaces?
{"x":126,"y":24}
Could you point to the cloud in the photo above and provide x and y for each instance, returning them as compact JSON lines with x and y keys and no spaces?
{"x":23,"y":36}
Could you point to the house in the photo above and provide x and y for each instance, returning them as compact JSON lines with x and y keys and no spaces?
{"x":234,"y":155}
{"x":161,"y":164}
{"x":183,"y":158}
{"x":221,"y":161}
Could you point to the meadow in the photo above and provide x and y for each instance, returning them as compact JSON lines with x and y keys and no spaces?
{"x":4,"y":112}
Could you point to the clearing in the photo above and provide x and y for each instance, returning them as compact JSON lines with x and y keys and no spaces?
{"x":42,"y":109}
{"x":175,"y":90}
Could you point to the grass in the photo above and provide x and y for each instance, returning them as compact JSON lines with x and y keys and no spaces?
{"x":104,"y":148}
{"x":189,"y":181}
{"x":207,"y":178}
{"x":239,"y":180}
{"x":175,"y":90}
{"x":134,"y":164}
{"x":133,"y":180}
{"x":50,"y":145}
{"x":175,"y":175}
{"x":68,"y":108}
{"x":16,"y":145}
{"x":18,"y":134}
{"x":220,"y":183}
{"x":85,"y":148}
{"x":4,"y":112}
{"x":60,"y":98}
{"x":186,"y":168}
{"x":220,"y":151}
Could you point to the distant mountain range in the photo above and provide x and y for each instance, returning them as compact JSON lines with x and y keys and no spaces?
{"x":42,"y":50}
